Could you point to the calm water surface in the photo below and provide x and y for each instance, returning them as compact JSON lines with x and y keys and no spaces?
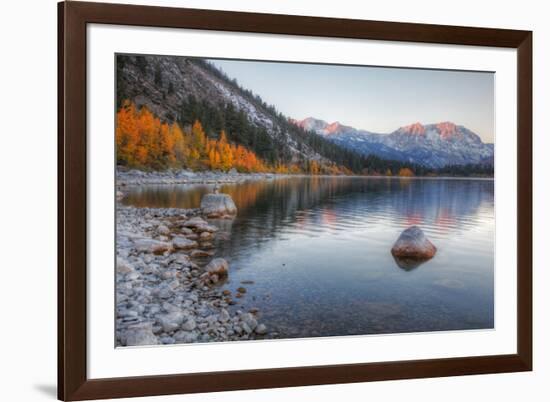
{"x":318,"y":252}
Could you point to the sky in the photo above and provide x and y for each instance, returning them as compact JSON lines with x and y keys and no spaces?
{"x":376,"y":99}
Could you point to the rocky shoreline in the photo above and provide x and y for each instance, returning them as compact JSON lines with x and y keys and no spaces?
{"x":169,"y":280}
{"x":168,"y":285}
{"x":134,"y":177}
{"x":138,"y":177}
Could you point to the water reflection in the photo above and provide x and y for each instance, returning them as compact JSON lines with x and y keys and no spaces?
{"x":312,"y":206}
{"x":408,"y":264}
{"x":318,"y":251}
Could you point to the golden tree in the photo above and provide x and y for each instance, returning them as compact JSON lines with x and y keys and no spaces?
{"x":406,"y":172}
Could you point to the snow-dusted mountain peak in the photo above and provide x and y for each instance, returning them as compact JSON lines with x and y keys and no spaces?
{"x":433,"y":145}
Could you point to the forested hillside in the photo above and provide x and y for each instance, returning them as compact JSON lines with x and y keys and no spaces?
{"x":178,"y":112}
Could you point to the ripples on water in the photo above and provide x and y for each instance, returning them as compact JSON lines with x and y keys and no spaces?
{"x":318,"y":251}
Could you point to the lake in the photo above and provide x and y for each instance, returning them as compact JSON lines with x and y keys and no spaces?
{"x":314,"y":252}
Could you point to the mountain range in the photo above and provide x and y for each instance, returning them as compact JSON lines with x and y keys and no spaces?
{"x":432,"y":145}
{"x":183,"y":90}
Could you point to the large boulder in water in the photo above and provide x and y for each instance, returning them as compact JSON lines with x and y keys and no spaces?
{"x":413,"y":245}
{"x":215,"y":205}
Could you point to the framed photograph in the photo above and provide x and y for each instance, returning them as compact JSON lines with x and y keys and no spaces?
{"x":253,"y":200}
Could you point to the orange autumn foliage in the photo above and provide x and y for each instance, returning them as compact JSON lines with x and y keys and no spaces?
{"x":225,"y":156}
{"x":405,"y":172}
{"x":143,"y":141}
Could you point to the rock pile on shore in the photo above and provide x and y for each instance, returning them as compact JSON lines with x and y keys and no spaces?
{"x":168,"y":283}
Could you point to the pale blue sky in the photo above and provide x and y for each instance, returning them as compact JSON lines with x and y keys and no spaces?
{"x":377,"y":99}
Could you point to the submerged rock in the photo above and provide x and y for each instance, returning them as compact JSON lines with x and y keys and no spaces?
{"x":218,"y":266}
{"x":413,"y":245}
{"x":408,"y":264}
{"x":218,"y":205}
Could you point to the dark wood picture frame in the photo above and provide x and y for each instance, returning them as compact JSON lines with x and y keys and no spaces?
{"x":73,"y":383}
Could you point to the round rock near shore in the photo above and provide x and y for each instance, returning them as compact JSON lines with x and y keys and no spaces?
{"x":216,"y":205}
{"x":413,"y":244}
{"x":218,"y":266}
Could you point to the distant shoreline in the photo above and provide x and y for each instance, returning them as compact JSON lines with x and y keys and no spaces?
{"x":171,"y":177}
